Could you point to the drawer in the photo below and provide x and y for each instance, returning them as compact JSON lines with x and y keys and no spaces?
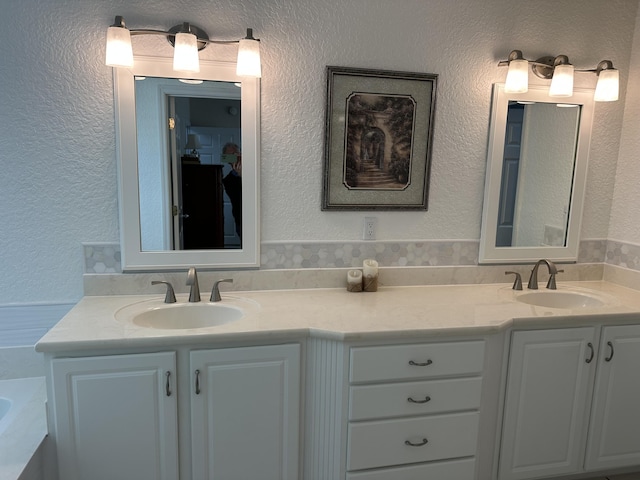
{"x":382,"y":443}
{"x":401,"y":362}
{"x":452,"y":470}
{"x":414,"y":398}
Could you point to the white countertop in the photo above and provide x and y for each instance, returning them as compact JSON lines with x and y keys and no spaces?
{"x":391,"y":312}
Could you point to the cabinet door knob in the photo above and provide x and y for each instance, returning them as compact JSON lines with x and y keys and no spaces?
{"x":426,"y":399}
{"x":411,"y":444}
{"x":610,"y":357}
{"x":590,"y":345}
{"x":418,"y":364}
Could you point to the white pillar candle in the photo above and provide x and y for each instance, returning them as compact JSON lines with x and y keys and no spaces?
{"x":354,"y":281}
{"x":370,"y":267}
{"x":370,"y":281}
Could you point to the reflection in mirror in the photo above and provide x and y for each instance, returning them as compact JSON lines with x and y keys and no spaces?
{"x":187,"y":185}
{"x":185,"y":199}
{"x":536,"y":174}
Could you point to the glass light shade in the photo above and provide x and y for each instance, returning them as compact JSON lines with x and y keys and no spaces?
{"x":517,"y":77}
{"x":607,"y":86}
{"x":185,"y":55}
{"x":119,"y":51}
{"x":249,"y":58}
{"x":562,"y":81}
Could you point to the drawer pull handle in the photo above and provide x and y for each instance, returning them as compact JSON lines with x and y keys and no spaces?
{"x":592,"y":352}
{"x":421,"y":444}
{"x":197,"y":382}
{"x":426,"y":399}
{"x":610,"y":357}
{"x":417,"y":364}
{"x":167,"y":385}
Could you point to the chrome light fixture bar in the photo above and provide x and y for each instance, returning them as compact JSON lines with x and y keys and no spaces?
{"x":560,"y":72}
{"x":187,"y":40}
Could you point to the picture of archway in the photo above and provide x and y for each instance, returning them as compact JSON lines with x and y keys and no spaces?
{"x":378,"y":143}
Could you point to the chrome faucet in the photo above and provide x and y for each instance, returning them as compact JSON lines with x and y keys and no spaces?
{"x":533,"y":279}
{"x":215,"y":292}
{"x":192,"y":280}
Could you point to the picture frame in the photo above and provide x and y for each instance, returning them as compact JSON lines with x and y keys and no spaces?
{"x":378,"y":139}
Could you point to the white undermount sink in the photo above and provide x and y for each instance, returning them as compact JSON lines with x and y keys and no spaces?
{"x":560,"y":299}
{"x":181,"y":315}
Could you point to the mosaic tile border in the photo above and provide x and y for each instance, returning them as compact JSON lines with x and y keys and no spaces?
{"x":105,"y":257}
{"x":388,"y":254}
{"x":621,"y":254}
{"x":102,"y":258}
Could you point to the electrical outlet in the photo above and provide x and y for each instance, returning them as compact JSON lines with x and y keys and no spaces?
{"x":369,"y":231}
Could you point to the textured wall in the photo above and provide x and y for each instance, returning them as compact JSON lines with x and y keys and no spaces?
{"x":58,"y":186}
{"x":625,"y":214}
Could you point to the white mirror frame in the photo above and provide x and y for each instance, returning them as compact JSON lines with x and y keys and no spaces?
{"x":133,"y":257}
{"x":489,"y":253}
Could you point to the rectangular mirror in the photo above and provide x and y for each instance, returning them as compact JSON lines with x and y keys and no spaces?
{"x":536,"y":174}
{"x":188,"y":166}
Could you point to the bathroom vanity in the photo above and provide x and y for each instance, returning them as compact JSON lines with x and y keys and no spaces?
{"x":448,"y":382}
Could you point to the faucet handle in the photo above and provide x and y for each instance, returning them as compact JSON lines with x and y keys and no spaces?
{"x":517,"y":281}
{"x":551,"y":284}
{"x":215,"y":291}
{"x":170,"y":296}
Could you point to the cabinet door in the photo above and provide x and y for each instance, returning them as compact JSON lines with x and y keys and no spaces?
{"x":245,"y":413}
{"x":548,"y":389}
{"x":614,"y":435}
{"x":116,"y":417}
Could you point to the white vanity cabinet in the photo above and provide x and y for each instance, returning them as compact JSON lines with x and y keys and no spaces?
{"x":245,"y":409}
{"x":614,"y":431}
{"x":116,"y":417}
{"x":230,"y":413}
{"x":572,"y":402}
{"x":413,"y":411}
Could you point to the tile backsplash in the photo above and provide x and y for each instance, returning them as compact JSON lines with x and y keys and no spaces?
{"x":105,"y":257}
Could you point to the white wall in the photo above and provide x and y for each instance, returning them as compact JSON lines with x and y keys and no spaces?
{"x":58,"y":185}
{"x":625,"y":214}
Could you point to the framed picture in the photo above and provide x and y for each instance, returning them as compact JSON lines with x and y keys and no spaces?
{"x":379,"y":131}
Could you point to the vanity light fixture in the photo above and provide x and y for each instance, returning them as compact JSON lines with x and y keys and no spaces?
{"x":187,"y":40}
{"x":561,"y":72}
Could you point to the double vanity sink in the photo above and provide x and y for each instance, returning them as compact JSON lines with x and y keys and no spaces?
{"x":185,"y":315}
{"x":406,"y":370}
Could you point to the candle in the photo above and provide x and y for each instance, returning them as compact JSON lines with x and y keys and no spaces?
{"x":354,"y":281}
{"x":370,"y":282}
{"x":370,"y":267}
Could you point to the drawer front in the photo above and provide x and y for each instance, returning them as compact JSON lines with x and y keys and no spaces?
{"x":400,"y":362}
{"x":383,"y":443}
{"x":414,"y":398}
{"x":454,"y":470}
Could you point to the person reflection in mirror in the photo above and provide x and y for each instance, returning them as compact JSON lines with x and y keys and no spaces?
{"x":233,"y":183}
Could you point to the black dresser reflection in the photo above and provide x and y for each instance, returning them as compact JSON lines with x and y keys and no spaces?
{"x":202,"y":206}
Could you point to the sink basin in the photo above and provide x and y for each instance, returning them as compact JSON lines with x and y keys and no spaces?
{"x":560,"y":299}
{"x":179,"y":315}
